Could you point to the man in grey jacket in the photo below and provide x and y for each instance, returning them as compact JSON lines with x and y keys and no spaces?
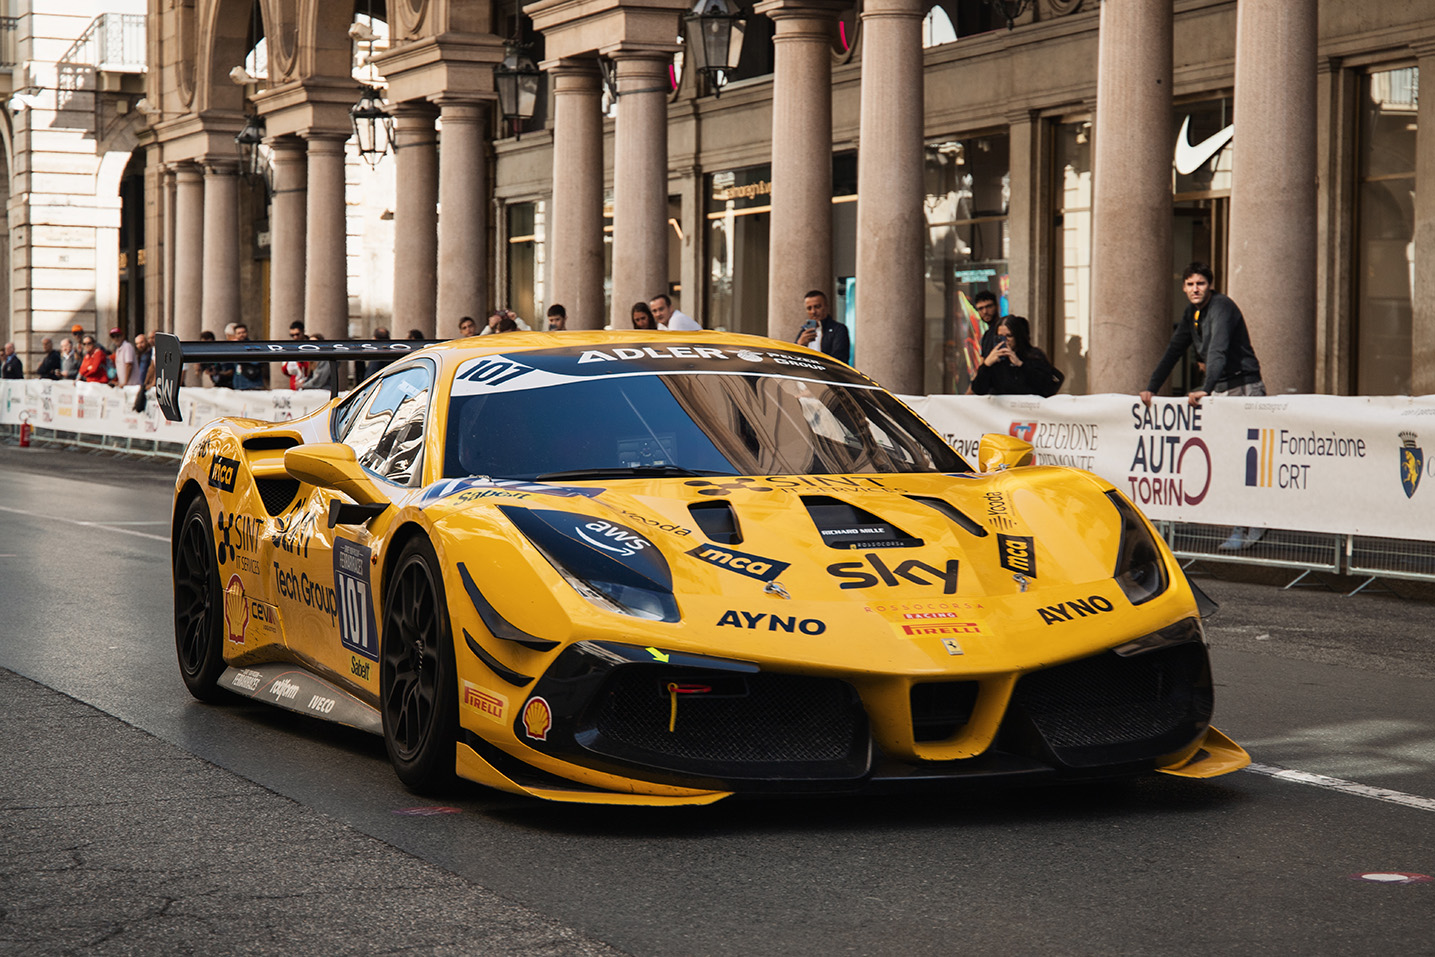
{"x":1213,"y":324}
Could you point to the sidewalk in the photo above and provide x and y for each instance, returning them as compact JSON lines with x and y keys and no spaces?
{"x":114,"y":842}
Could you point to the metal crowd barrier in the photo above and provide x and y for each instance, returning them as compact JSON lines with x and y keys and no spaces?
{"x":1308,"y":552}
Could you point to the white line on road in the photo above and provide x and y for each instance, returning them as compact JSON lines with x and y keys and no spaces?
{"x":71,"y":521}
{"x":1345,"y":787}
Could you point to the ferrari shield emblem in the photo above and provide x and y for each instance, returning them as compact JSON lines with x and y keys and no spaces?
{"x":1412,"y":463}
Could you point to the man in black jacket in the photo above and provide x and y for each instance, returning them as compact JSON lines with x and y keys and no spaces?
{"x":1213,"y":324}
{"x":49,"y":367}
{"x":830,"y":335}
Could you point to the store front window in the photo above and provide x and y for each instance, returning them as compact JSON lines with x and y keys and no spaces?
{"x":1071,"y":260}
{"x":525,"y":261}
{"x":968,"y":187}
{"x":739,"y":224}
{"x":1385,"y":232}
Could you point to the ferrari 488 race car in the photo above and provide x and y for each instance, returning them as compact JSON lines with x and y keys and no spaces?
{"x":657,"y":568}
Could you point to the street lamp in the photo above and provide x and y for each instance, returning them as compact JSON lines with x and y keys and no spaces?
{"x":252,"y":162}
{"x":714,"y":31}
{"x":373,"y":128}
{"x":1009,"y":10}
{"x":517,"y":81}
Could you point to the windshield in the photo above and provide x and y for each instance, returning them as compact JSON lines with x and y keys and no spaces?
{"x":696,"y":423}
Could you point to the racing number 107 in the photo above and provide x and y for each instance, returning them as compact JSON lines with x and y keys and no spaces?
{"x":495,"y":372}
{"x":354,"y":599}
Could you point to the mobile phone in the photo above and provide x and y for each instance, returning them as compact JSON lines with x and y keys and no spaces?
{"x":810,"y":324}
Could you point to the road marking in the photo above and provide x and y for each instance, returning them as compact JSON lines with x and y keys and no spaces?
{"x":71,"y":521}
{"x":1345,"y":787}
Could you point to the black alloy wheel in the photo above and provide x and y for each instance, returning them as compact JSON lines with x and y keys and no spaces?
{"x":417,"y":696}
{"x":198,"y":605}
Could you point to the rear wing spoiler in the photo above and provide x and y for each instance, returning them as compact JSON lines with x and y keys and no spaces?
{"x":170,"y":355}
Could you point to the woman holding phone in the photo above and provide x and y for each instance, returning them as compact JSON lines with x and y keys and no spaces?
{"x":1015,"y":366}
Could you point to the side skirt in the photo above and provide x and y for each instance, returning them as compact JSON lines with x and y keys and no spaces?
{"x":294,"y":689}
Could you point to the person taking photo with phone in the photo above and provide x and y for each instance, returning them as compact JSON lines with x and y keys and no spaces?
{"x":829,"y":335}
{"x":1014,"y":366}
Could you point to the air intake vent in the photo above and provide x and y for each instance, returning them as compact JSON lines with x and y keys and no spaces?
{"x":956,"y":515}
{"x":269,"y":443}
{"x":276,"y":493}
{"x":940,"y":708}
{"x":718,"y":522}
{"x":842,"y":525}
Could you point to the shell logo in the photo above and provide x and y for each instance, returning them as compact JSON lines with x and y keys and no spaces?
{"x":537,"y":719}
{"x":236,"y":610}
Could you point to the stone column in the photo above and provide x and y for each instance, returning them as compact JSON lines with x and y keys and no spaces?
{"x":221,"y":246}
{"x":170,"y":233}
{"x":1422,"y":300}
{"x":800,"y":244}
{"x":640,"y":182}
{"x":1131,"y":196}
{"x":890,"y":223}
{"x":326,"y":279}
{"x":1273,"y":188}
{"x":416,"y":223}
{"x":288,"y":216}
{"x":576,"y":243}
{"x":462,"y":279}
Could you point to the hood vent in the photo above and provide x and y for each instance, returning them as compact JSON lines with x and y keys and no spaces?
{"x":843,"y":525}
{"x":718,"y":522}
{"x":957,"y":516}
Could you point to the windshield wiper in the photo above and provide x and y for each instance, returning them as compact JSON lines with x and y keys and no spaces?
{"x":626,"y":471}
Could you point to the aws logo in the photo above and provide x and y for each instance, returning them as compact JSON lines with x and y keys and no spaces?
{"x":867,"y":573}
{"x":612,"y":538}
{"x":1017,"y":553}
{"x":1078,"y":608}
{"x":1259,"y":457}
{"x":753,"y":566}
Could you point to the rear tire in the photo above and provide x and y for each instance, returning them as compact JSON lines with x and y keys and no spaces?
{"x":198,"y":605}
{"x":417,"y":693}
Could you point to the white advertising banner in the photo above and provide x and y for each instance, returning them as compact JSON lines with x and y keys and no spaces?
{"x":95,"y":409}
{"x":1322,"y":463}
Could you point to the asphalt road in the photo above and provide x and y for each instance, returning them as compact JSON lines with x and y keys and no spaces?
{"x":134,"y":819}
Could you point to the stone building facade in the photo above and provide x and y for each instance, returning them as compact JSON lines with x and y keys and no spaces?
{"x":898,"y":154}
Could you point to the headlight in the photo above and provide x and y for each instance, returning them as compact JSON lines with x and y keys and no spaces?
{"x":611,"y":565}
{"x":1187,"y":629}
{"x":1140,"y":571}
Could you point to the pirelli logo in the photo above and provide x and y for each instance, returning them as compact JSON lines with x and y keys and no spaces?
{"x":947,"y":628}
{"x":485,"y":702}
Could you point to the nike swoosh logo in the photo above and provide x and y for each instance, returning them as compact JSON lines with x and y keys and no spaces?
{"x":1191,"y":158}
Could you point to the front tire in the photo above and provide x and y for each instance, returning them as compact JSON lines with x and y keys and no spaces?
{"x":198,"y":606}
{"x":417,"y":696}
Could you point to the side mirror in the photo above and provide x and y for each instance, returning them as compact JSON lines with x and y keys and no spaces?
{"x":997,"y":452}
{"x":332,"y":465}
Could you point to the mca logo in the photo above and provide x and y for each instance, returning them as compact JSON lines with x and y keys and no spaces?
{"x":1412,"y":461}
{"x":1023,"y":430}
{"x":705,"y":487}
{"x":1259,"y":457}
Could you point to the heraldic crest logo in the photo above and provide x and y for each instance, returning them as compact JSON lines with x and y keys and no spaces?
{"x":1412,"y":463}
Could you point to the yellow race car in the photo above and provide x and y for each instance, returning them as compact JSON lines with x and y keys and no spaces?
{"x":661,"y":568}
